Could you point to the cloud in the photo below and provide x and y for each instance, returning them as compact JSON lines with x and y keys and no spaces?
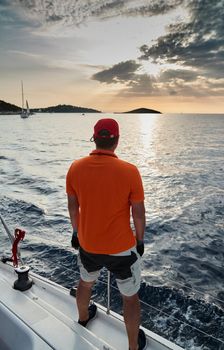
{"x":135,"y":8}
{"x":75,"y":12}
{"x":191,"y":55}
{"x":119,"y":73}
{"x":178,"y":74}
{"x":142,"y":85}
{"x":179,"y":82}
{"x":197,"y":44}
{"x":126,"y":73}
{"x":13,"y":16}
{"x":156,"y":7}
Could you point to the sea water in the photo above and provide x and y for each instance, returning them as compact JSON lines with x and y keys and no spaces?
{"x":181,"y":160}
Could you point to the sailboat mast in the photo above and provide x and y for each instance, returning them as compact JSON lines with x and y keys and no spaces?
{"x":22,"y":96}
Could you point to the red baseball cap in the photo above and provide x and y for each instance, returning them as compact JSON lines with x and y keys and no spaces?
{"x":106,"y":128}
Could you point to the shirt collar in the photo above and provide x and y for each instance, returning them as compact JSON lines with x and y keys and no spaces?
{"x":103,"y":152}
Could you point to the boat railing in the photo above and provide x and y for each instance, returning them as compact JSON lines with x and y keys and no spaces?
{"x":159,"y":311}
{"x":108,"y":285}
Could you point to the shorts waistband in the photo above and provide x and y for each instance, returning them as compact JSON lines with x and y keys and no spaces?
{"x":126,"y":252}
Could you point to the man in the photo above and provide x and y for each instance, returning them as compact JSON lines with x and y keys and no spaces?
{"x":101,"y":189}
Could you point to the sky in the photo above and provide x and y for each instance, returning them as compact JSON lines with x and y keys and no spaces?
{"x":114,"y":55}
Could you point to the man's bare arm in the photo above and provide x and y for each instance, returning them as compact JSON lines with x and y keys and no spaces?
{"x":73,"y":208}
{"x":138,"y":214}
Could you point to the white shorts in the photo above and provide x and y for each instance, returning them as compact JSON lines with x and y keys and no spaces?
{"x":126,"y":268}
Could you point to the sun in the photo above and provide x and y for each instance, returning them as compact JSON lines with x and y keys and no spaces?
{"x":149,"y":68}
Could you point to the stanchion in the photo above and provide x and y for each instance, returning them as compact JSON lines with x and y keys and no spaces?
{"x":108,"y":292}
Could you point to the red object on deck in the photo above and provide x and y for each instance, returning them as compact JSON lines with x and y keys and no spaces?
{"x":19,"y":235}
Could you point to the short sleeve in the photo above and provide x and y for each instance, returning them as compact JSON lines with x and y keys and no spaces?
{"x":69,"y":182}
{"x":137,"y":191}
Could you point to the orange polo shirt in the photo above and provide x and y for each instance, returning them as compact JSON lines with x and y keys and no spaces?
{"x":104,"y":186}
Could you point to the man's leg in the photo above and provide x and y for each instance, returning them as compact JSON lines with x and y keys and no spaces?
{"x":129,"y":288}
{"x":131,"y":309}
{"x":87,"y":279}
{"x":83,"y":296}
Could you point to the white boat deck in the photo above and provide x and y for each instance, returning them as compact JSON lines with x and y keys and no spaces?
{"x":44,"y":317}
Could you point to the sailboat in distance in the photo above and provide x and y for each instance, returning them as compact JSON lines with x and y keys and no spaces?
{"x":25,"y":113}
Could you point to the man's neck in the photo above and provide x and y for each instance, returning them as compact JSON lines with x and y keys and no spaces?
{"x":106,"y":152}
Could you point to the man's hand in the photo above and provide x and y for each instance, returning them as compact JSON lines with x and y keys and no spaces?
{"x":140,"y":247}
{"x":75,"y":241}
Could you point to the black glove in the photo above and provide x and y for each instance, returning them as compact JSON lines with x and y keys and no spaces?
{"x":75,"y":241}
{"x":140,"y":247}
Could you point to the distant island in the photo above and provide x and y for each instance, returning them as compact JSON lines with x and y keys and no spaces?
{"x":8,"y":108}
{"x":143,"y":110}
{"x":65,"y":109}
